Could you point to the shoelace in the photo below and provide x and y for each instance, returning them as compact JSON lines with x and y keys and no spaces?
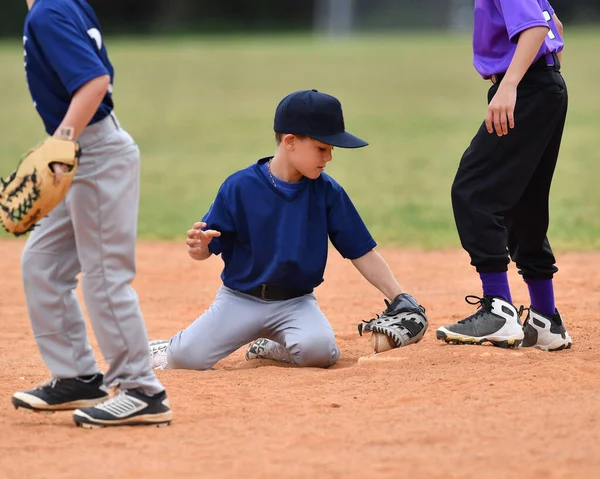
{"x":522,"y":309}
{"x":115,"y":396}
{"x":53,"y":381}
{"x":48,"y":382}
{"x":485,"y":306}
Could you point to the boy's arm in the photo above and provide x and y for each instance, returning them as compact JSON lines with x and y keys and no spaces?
{"x":83,"y":107}
{"x":403,"y":321}
{"x":500,"y":114}
{"x":377,"y":272}
{"x":559,"y":27}
{"x":76,"y":63}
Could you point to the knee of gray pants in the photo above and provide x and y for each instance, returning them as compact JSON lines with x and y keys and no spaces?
{"x":188,"y":357}
{"x":316,"y":352}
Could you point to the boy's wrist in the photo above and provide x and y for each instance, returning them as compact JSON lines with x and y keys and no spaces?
{"x":65,"y":132}
{"x":509,"y":82}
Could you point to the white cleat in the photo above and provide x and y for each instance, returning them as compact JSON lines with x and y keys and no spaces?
{"x":267,"y":349}
{"x":158,"y":353}
{"x":547,"y":333}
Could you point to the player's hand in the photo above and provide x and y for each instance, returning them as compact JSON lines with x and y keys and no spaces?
{"x":59,"y":169}
{"x":198,"y":240}
{"x":501,"y":110}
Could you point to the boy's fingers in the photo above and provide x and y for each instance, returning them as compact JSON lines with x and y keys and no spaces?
{"x":511,"y":119}
{"x":488,"y":121}
{"x":503,"y":122}
{"x":58,"y":173}
{"x":497,"y":123}
{"x":202,"y":236}
{"x":198,"y":238}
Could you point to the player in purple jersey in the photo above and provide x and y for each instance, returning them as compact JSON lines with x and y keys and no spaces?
{"x":500,"y":193}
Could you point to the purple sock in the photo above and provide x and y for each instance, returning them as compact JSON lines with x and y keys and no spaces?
{"x":541,"y":293}
{"x":496,"y":284}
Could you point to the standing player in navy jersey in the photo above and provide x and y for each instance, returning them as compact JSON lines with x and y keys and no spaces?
{"x":92,"y":232}
{"x":271,"y":223}
{"x":500,"y":193}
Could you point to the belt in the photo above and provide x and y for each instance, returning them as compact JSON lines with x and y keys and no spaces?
{"x":275,"y":293}
{"x":545,"y":62}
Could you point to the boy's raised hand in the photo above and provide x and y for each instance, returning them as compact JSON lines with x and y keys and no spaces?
{"x":198,"y":240}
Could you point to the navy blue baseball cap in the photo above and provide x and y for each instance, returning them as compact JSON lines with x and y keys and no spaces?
{"x":316,"y":115}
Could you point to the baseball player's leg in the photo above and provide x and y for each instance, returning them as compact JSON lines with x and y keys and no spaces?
{"x":299,"y":326}
{"x":527,"y":222}
{"x":103,"y":204}
{"x":49,"y":270}
{"x":530,"y":249}
{"x":493,"y":175}
{"x":232,"y":320}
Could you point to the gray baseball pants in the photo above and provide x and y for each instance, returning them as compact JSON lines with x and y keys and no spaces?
{"x":92,"y":232}
{"x":235,"y":319}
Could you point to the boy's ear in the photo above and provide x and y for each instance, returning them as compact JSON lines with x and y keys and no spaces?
{"x":289,"y":141}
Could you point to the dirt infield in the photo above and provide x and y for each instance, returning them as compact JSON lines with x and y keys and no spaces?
{"x":426,"y":411}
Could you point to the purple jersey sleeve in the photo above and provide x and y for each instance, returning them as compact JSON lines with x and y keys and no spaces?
{"x":496,"y":28}
{"x":519,"y":15}
{"x":68,"y":50}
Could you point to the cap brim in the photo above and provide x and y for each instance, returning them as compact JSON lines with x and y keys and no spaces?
{"x":341,"y":140}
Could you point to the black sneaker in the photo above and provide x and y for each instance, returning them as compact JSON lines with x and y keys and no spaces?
{"x":63,"y":394}
{"x":496,"y":321}
{"x":127,"y":408}
{"x":547,"y":333}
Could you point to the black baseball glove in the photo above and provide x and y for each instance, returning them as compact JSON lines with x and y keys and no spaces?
{"x":403,"y":321}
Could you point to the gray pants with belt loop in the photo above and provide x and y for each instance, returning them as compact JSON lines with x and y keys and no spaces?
{"x":92,"y":232}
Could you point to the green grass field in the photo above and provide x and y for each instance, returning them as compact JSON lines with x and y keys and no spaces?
{"x":201,"y":108}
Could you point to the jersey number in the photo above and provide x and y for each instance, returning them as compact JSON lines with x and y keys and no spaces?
{"x":95,"y":35}
{"x":548,"y":17}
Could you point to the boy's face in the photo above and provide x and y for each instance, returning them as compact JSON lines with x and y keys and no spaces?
{"x":308,"y":156}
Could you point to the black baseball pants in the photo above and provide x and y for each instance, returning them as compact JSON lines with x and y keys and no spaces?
{"x":501,"y":190}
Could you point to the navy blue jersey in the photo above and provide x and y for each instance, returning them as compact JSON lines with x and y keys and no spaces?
{"x":270,"y":237}
{"x":288,"y":189}
{"x":63,"y":49}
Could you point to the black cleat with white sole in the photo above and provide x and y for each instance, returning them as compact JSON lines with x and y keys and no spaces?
{"x":63,"y":394}
{"x":127,"y":408}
